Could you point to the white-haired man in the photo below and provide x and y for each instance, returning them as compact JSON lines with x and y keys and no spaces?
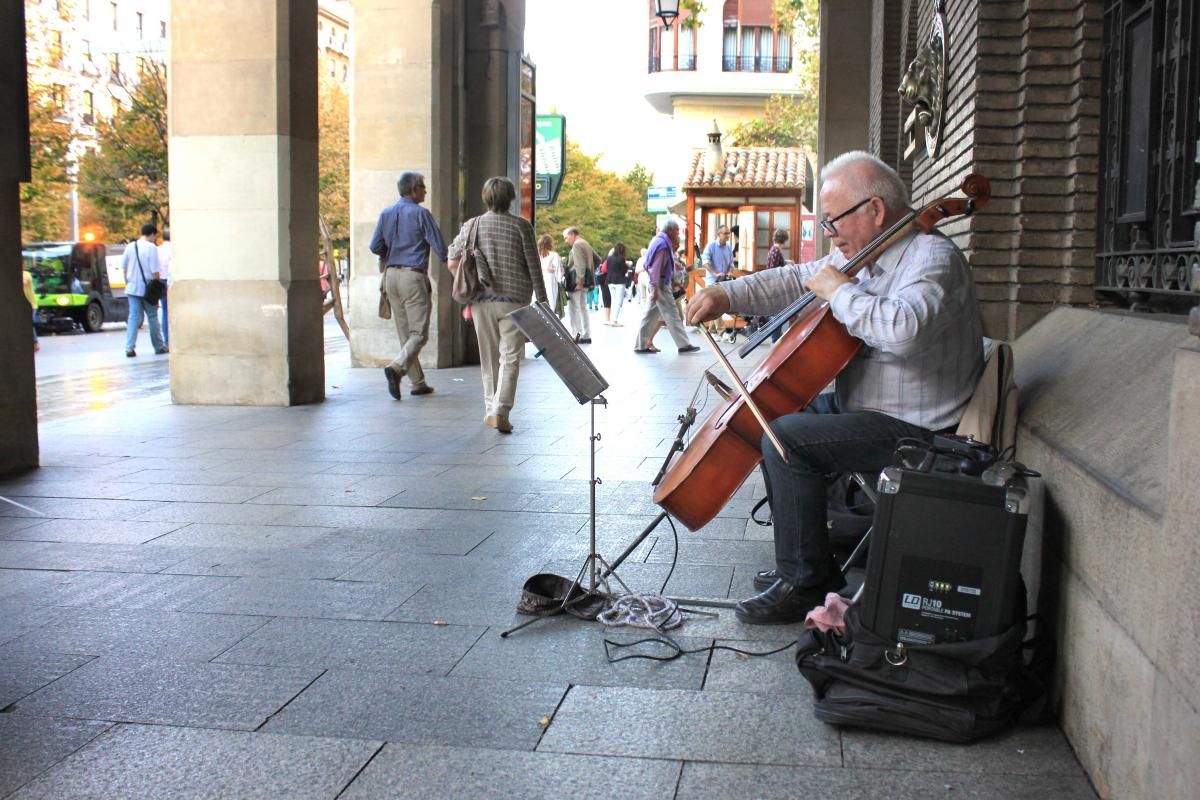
{"x":914,"y":308}
{"x":660,"y":266}
{"x":580,"y":263}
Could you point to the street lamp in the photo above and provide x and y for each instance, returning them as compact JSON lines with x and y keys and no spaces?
{"x":667,"y":11}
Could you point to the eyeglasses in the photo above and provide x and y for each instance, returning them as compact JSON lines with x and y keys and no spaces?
{"x":827,"y":224}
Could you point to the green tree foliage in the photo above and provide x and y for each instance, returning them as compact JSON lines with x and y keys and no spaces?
{"x":45,"y":201}
{"x":125,"y":177}
{"x":605,"y":207}
{"x":333,"y":158}
{"x":640,"y":178}
{"x":790,"y":120}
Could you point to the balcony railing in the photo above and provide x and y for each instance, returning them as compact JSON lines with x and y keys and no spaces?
{"x":756,"y":64}
{"x":682,"y":63}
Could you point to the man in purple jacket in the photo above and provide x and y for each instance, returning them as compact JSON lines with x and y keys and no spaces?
{"x":660,"y":266}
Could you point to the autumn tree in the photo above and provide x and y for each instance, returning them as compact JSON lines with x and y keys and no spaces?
{"x":45,"y":200}
{"x":605,"y":207}
{"x":333,"y":159}
{"x":125,"y":177}
{"x":790,"y":120}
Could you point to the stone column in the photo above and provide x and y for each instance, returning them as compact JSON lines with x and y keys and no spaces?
{"x":246,"y":322}
{"x":845,"y":85}
{"x":436,"y":91}
{"x":18,"y":400}
{"x":1174,"y":730}
{"x":405,"y":115}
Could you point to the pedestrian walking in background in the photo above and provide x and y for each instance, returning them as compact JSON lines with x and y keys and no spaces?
{"x":717,"y":257}
{"x":404,"y":235}
{"x":27,"y":286}
{"x":507,"y":244}
{"x":641,"y":279}
{"x":164,"y":272}
{"x":775,"y":259}
{"x":140,"y":263}
{"x":579,"y":277}
{"x":660,"y":263}
{"x":615,"y":273}
{"x":553,"y":275}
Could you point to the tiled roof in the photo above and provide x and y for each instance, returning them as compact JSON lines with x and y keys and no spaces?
{"x":751,"y":167}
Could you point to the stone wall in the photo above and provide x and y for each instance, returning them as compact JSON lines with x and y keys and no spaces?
{"x":1023,"y":109}
{"x":1110,"y":414}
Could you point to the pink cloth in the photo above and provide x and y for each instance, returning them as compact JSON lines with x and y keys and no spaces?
{"x":829,"y":617}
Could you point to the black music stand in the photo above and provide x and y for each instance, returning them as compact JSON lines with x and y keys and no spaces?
{"x":580,"y":376}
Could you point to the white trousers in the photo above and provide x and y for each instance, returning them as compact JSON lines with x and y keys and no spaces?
{"x":501,"y":345}
{"x":618,"y":300}
{"x":577,"y":314}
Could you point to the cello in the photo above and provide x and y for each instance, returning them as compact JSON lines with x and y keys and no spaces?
{"x":697,"y":484}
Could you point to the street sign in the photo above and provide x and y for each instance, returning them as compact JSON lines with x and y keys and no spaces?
{"x":661,"y":198}
{"x":550,"y":157}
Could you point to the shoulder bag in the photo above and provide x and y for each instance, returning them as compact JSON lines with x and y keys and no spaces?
{"x":154,"y":286}
{"x":472,"y":276}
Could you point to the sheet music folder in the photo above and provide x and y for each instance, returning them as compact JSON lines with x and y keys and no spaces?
{"x":557,"y":345}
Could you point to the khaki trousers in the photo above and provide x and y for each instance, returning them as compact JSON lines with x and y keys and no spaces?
{"x":665,"y":309}
{"x":501,"y":345}
{"x":408,"y":292}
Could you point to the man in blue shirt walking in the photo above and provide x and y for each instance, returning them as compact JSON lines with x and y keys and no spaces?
{"x":717,"y":257}
{"x":403,"y":238}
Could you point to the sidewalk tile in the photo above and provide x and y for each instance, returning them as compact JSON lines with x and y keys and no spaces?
{"x":452,"y":773}
{"x":237,"y":696}
{"x":886,"y":780}
{"x":31,"y":745}
{"x":140,"y":633}
{"x":399,"y":707}
{"x":416,"y":648}
{"x":737,"y":727}
{"x":189,"y":764}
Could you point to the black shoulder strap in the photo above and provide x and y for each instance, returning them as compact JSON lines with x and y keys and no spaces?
{"x":138,"y":256}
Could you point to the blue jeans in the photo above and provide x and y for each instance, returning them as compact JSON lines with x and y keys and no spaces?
{"x":137,"y":308}
{"x":162,"y":305}
{"x":820,"y":441}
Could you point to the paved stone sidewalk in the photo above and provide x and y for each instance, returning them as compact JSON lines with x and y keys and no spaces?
{"x":306,"y":603}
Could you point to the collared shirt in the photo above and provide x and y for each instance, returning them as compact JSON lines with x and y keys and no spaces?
{"x":404,"y":235}
{"x":915,"y":311}
{"x":513,"y":269}
{"x":164,"y":262}
{"x":580,"y":260}
{"x":717,"y":257}
{"x":137,"y":275}
{"x":660,"y":260}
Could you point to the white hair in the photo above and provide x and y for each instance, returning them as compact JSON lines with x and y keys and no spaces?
{"x":870,"y":177}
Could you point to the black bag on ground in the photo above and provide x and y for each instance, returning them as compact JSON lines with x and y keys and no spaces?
{"x":956,"y":692}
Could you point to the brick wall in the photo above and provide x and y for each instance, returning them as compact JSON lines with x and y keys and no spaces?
{"x":887,"y":65}
{"x":1023,"y":109}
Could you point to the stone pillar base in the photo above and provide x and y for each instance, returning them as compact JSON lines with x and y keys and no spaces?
{"x":248,"y":343}
{"x":18,"y":400}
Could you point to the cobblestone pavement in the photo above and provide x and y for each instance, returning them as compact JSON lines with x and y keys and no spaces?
{"x":306,"y":603}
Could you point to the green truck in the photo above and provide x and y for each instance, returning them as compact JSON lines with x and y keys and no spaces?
{"x":77,"y":283}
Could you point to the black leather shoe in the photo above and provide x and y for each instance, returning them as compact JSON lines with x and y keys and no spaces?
{"x":764,"y":578}
{"x":691,"y":348}
{"x":393,"y":379}
{"x":585,"y":340}
{"x":782,"y":603}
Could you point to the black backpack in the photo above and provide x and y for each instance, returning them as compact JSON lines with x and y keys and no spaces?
{"x":956,"y":692}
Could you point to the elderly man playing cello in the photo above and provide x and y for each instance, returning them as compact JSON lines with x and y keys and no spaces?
{"x":914,"y":308}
